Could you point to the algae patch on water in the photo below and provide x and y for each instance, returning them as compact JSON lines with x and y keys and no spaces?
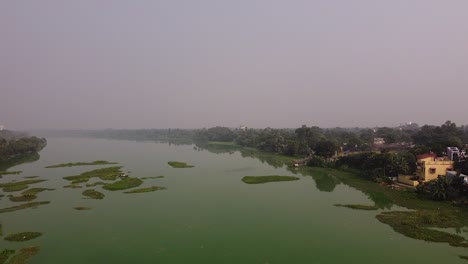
{"x":417,"y":224}
{"x":358,"y":206}
{"x":110,"y":173}
{"x":28,"y":195}
{"x":123,"y":184}
{"x":25,"y":182}
{"x":178,"y":164}
{"x":95,"y":184}
{"x":73,"y":164}
{"x":24,"y":255}
{"x":73,"y":186}
{"x":153,"y":177}
{"x":9,"y":172}
{"x":82,"y":208}
{"x":23,"y":206}
{"x":148,"y":189}
{"x":23,"y":236}
{"x":5,"y":255}
{"x":93,"y":194}
{"x":15,"y":188}
{"x":265,"y":179}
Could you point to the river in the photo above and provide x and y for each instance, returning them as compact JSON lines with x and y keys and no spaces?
{"x":206,"y":215}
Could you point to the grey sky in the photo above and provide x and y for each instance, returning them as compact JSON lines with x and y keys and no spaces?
{"x":189,"y":64}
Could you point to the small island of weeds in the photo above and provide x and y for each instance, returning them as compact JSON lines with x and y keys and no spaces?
{"x":110,"y":173}
{"x":15,"y":188}
{"x":23,"y":206}
{"x":417,"y":224}
{"x":358,"y":206}
{"x":24,"y":255}
{"x":95,"y":184}
{"x":73,"y":186}
{"x":178,"y":164}
{"x":93,"y":194}
{"x":5,"y":255}
{"x":23,"y":198}
{"x":73,"y":164}
{"x":9,"y":172}
{"x":265,"y":179}
{"x":148,"y":189}
{"x":153,"y":177}
{"x":26,"y":182}
{"x":23,"y":236}
{"x":123,"y":184}
{"x":82,"y":208}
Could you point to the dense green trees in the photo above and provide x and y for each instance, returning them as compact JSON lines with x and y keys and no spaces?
{"x":10,"y":149}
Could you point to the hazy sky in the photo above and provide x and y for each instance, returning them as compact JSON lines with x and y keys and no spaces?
{"x":190,"y":64}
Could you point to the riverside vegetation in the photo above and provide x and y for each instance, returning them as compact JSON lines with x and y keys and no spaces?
{"x":74,"y":164}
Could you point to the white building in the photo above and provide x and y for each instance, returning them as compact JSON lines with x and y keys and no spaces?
{"x":2,"y":127}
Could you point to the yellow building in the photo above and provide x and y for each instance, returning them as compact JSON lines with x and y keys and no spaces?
{"x":429,"y":166}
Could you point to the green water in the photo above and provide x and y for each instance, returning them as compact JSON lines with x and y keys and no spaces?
{"x":207,"y":214}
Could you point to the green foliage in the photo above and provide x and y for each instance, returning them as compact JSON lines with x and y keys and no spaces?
{"x":123,"y":184}
{"x":23,"y":236}
{"x":97,"y":162}
{"x":318,"y":161}
{"x":443,"y":188}
{"x":265,"y":179}
{"x":325,"y":148}
{"x":148,"y":189}
{"x":178,"y":164}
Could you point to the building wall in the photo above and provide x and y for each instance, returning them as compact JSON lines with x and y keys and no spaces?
{"x":424,"y":168}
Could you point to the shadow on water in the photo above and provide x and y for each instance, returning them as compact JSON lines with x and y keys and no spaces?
{"x":19,"y":160}
{"x":325,"y":180}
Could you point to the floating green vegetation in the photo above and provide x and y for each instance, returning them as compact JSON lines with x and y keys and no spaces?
{"x":80,"y":180}
{"x":265,"y":179}
{"x":23,"y":206}
{"x":95,"y":184}
{"x":23,"y":236}
{"x":73,"y":164}
{"x":26,"y":182}
{"x":73,"y":186}
{"x":34,"y":191}
{"x":9,"y":172}
{"x":463,"y":257}
{"x":93,"y":194}
{"x":15,"y":188}
{"x":178,"y":164}
{"x":23,"y":198}
{"x":82,"y":208}
{"x":153,"y":177}
{"x":5,"y":255}
{"x":123,"y":184}
{"x":110,"y":173}
{"x":24,"y":255}
{"x":148,"y":189}
{"x":417,"y":224}
{"x":31,"y":177}
{"x":358,"y":206}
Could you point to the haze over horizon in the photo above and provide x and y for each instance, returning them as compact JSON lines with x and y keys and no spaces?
{"x":193,"y":64}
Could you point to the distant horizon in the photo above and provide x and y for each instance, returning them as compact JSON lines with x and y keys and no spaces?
{"x":232,"y":127}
